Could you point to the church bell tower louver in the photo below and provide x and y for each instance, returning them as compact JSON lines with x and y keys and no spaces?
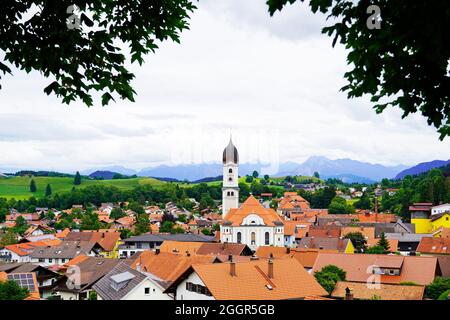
{"x":230,"y":190}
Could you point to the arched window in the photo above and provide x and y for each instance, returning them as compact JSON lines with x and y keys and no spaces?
{"x":239,"y":237}
{"x":230,"y":179}
{"x":253,"y":237}
{"x":230,"y":170}
{"x":267,"y":240}
{"x":232,"y":193}
{"x":228,"y":193}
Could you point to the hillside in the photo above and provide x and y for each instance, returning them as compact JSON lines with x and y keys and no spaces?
{"x":18,"y":187}
{"x":422,"y":167}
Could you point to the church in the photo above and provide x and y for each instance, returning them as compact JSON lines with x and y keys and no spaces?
{"x":251,"y":223}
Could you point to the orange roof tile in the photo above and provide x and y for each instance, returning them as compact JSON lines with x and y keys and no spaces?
{"x":252,"y":206}
{"x":367,"y":232}
{"x":385,"y":291}
{"x":420,"y":270}
{"x":180,"y":246}
{"x":393,"y":244}
{"x":434,"y":245}
{"x":377,"y":217}
{"x":290,"y":280}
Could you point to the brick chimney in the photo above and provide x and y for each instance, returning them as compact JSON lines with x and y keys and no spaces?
{"x":288,"y":250}
{"x":233,"y":269}
{"x":270,"y":269}
{"x":348,"y":294}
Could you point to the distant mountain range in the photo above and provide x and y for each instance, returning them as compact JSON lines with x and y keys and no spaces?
{"x":346,"y":170}
{"x":422,"y":167}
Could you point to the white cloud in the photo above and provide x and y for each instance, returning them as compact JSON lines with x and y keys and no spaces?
{"x":273,"y":81}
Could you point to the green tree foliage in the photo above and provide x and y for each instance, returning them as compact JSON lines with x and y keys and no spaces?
{"x":182,"y":218}
{"x":339,"y":206}
{"x":358,"y":240}
{"x":136,"y":207}
{"x":89,"y":221}
{"x":402,"y":64}
{"x":206,"y":201}
{"x":21,"y":225}
{"x":77,"y":179}
{"x":92,"y":295}
{"x":10,"y":290}
{"x":328,"y":276}
{"x":437,"y":287}
{"x":375,"y":250}
{"x":9,"y":237}
{"x":384,"y":243}
{"x":364,"y":202}
{"x":166,"y":227}
{"x":117,"y":213}
{"x":92,"y":57}
{"x":249,"y":179}
{"x":444,"y":295}
{"x":207,"y":232}
{"x":142,"y":224}
{"x":316,"y":174}
{"x":266,"y":177}
{"x":255,"y":174}
{"x":177,"y":229}
{"x":48,"y":190}
{"x":33,"y":187}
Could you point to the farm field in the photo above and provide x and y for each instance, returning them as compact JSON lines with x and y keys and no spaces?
{"x":19,"y":187}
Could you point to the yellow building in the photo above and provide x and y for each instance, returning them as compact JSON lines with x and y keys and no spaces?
{"x":435,"y":222}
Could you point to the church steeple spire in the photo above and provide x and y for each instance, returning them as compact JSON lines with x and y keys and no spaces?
{"x":230,"y":190}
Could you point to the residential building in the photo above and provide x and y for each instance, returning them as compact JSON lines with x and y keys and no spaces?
{"x":62,"y":253}
{"x":152,"y":241}
{"x":337,"y":244}
{"x":407,"y":242}
{"x":440,"y":209}
{"x":431,"y":245}
{"x":271,"y":279}
{"x":362,"y":291}
{"x":107,"y":240}
{"x":125,"y":283}
{"x":376,"y":268}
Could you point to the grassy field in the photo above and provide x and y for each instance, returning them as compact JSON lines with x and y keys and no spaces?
{"x":19,"y":187}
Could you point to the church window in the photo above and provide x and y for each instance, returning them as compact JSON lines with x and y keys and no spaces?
{"x":232,"y":193}
{"x":239,"y":237}
{"x":230,"y":179}
{"x":230,"y":170}
{"x":267,"y":238}
{"x":253,"y":238}
{"x":228,"y":193}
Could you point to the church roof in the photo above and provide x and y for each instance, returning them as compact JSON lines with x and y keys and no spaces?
{"x":230,"y":154}
{"x":252,"y":206}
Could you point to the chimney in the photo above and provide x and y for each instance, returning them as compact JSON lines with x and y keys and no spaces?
{"x":288,"y":250}
{"x":270,"y":269}
{"x":348,"y":294}
{"x":230,"y":257}
{"x":103,"y":234}
{"x":232,"y":268}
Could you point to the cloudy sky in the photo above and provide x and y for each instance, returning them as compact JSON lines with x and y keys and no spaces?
{"x":272,"y":82}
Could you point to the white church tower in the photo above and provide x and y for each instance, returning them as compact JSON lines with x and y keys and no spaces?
{"x":230,"y":190}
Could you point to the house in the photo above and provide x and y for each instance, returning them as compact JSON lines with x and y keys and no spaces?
{"x":367,"y":232}
{"x":126,"y":222}
{"x":255,"y":280}
{"x":167,"y":267}
{"x":361,"y":291}
{"x":306,"y":257}
{"x":107,"y":240}
{"x":407,"y":242}
{"x":377,"y":268}
{"x":22,"y":252}
{"x":442,"y":232}
{"x":420,"y":214}
{"x":440,"y":209}
{"x":292,"y":203}
{"x":25,"y":280}
{"x":253,"y":225}
{"x":46,"y":279}
{"x":324,"y":231}
{"x":151,"y":241}
{"x":336,"y":219}
{"x":431,"y":245}
{"x":125,"y":283}
{"x":82,"y":273}
{"x":62,"y":253}
{"x":377,"y":217}
{"x":224,"y":249}
{"x":338,"y":244}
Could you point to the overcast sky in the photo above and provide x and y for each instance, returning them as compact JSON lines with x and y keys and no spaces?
{"x":273,"y":82}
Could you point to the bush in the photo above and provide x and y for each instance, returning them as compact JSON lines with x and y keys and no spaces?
{"x":437,"y":288}
{"x":444,"y":295}
{"x":328,"y":276}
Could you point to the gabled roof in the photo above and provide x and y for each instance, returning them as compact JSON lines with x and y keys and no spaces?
{"x":420,"y":270}
{"x":106,"y":240}
{"x":107,"y":292}
{"x":434,"y":245}
{"x":180,"y":246}
{"x":306,"y":257}
{"x":385,"y":291}
{"x":367,"y":232}
{"x":290,"y":280}
{"x":167,"y":266}
{"x":65,"y":250}
{"x":252,"y":206}
{"x":234,"y":249}
{"x":324,"y":243}
{"x":324,"y":231}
